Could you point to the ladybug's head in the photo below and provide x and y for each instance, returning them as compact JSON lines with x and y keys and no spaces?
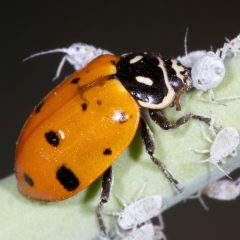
{"x":181,"y":73}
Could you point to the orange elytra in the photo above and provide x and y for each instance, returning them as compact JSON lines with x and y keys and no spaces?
{"x":81,"y":127}
{"x":75,"y":133}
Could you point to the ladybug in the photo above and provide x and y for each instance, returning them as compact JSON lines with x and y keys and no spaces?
{"x":82,"y":126}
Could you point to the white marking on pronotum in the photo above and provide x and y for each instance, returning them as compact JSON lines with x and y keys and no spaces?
{"x":224,"y":145}
{"x":78,"y":55}
{"x":144,"y":80}
{"x":168,"y":99}
{"x":178,"y":69}
{"x":135,"y":59}
{"x":225,"y":190}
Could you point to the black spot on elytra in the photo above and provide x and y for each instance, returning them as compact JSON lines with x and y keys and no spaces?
{"x":52,"y":138}
{"x":99,"y":102}
{"x":75,"y":80}
{"x":28,"y":180}
{"x":38,"y":107}
{"x":67,"y":178}
{"x":84,"y":106}
{"x":107,"y":151}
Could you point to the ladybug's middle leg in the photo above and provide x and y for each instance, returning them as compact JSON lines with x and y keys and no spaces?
{"x":150,"y":148}
{"x":158,"y":117}
{"x":106,"y":188}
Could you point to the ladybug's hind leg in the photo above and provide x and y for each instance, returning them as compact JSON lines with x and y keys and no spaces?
{"x":106,"y":188}
{"x":150,"y":148}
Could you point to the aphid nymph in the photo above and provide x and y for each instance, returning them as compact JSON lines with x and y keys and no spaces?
{"x":224,"y":190}
{"x":224,"y":145}
{"x":78,"y":55}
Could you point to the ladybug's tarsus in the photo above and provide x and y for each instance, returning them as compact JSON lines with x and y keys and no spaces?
{"x":150,"y":148}
{"x":106,"y":188}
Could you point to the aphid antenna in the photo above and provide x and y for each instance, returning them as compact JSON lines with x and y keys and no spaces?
{"x":185,"y":42}
{"x":221,"y":169}
{"x":57,"y":50}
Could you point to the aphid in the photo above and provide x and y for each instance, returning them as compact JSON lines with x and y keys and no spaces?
{"x":78,"y":55}
{"x":207,"y":70}
{"x":189,"y":59}
{"x":224,"y":145}
{"x":143,"y":232}
{"x":139,"y":212}
{"x":230,"y":49}
{"x":224,"y":190}
{"x":86,"y":122}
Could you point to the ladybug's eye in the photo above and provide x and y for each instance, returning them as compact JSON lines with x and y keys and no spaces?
{"x":28,"y":180}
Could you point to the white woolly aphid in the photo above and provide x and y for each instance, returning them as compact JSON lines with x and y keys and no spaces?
{"x":78,"y":55}
{"x":224,"y":190}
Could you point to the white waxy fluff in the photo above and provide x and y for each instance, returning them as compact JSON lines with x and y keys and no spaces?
{"x":207,"y":72}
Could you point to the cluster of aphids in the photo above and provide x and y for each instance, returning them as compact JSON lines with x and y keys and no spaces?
{"x":141,"y":219}
{"x":75,"y":134}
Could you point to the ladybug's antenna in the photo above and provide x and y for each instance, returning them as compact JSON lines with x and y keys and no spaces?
{"x":57,"y":50}
{"x":185,"y":42}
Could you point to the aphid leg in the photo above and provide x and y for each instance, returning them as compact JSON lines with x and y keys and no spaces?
{"x":159,"y":226}
{"x":212,"y":128}
{"x":219,"y":100}
{"x":150,"y":148}
{"x":217,"y":165}
{"x":201,"y":151}
{"x":59,"y":69}
{"x":106,"y":187}
{"x":158,"y":117}
{"x":120,"y":200}
{"x":203,"y":161}
{"x":198,"y":196}
{"x":211,"y":95}
{"x":139,"y":193}
{"x":205,"y":136}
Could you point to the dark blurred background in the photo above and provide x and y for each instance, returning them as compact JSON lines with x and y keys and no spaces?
{"x":119,"y":26}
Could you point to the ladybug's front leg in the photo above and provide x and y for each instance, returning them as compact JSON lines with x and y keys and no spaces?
{"x":106,"y":188}
{"x":158,"y":117}
{"x":150,"y":148}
